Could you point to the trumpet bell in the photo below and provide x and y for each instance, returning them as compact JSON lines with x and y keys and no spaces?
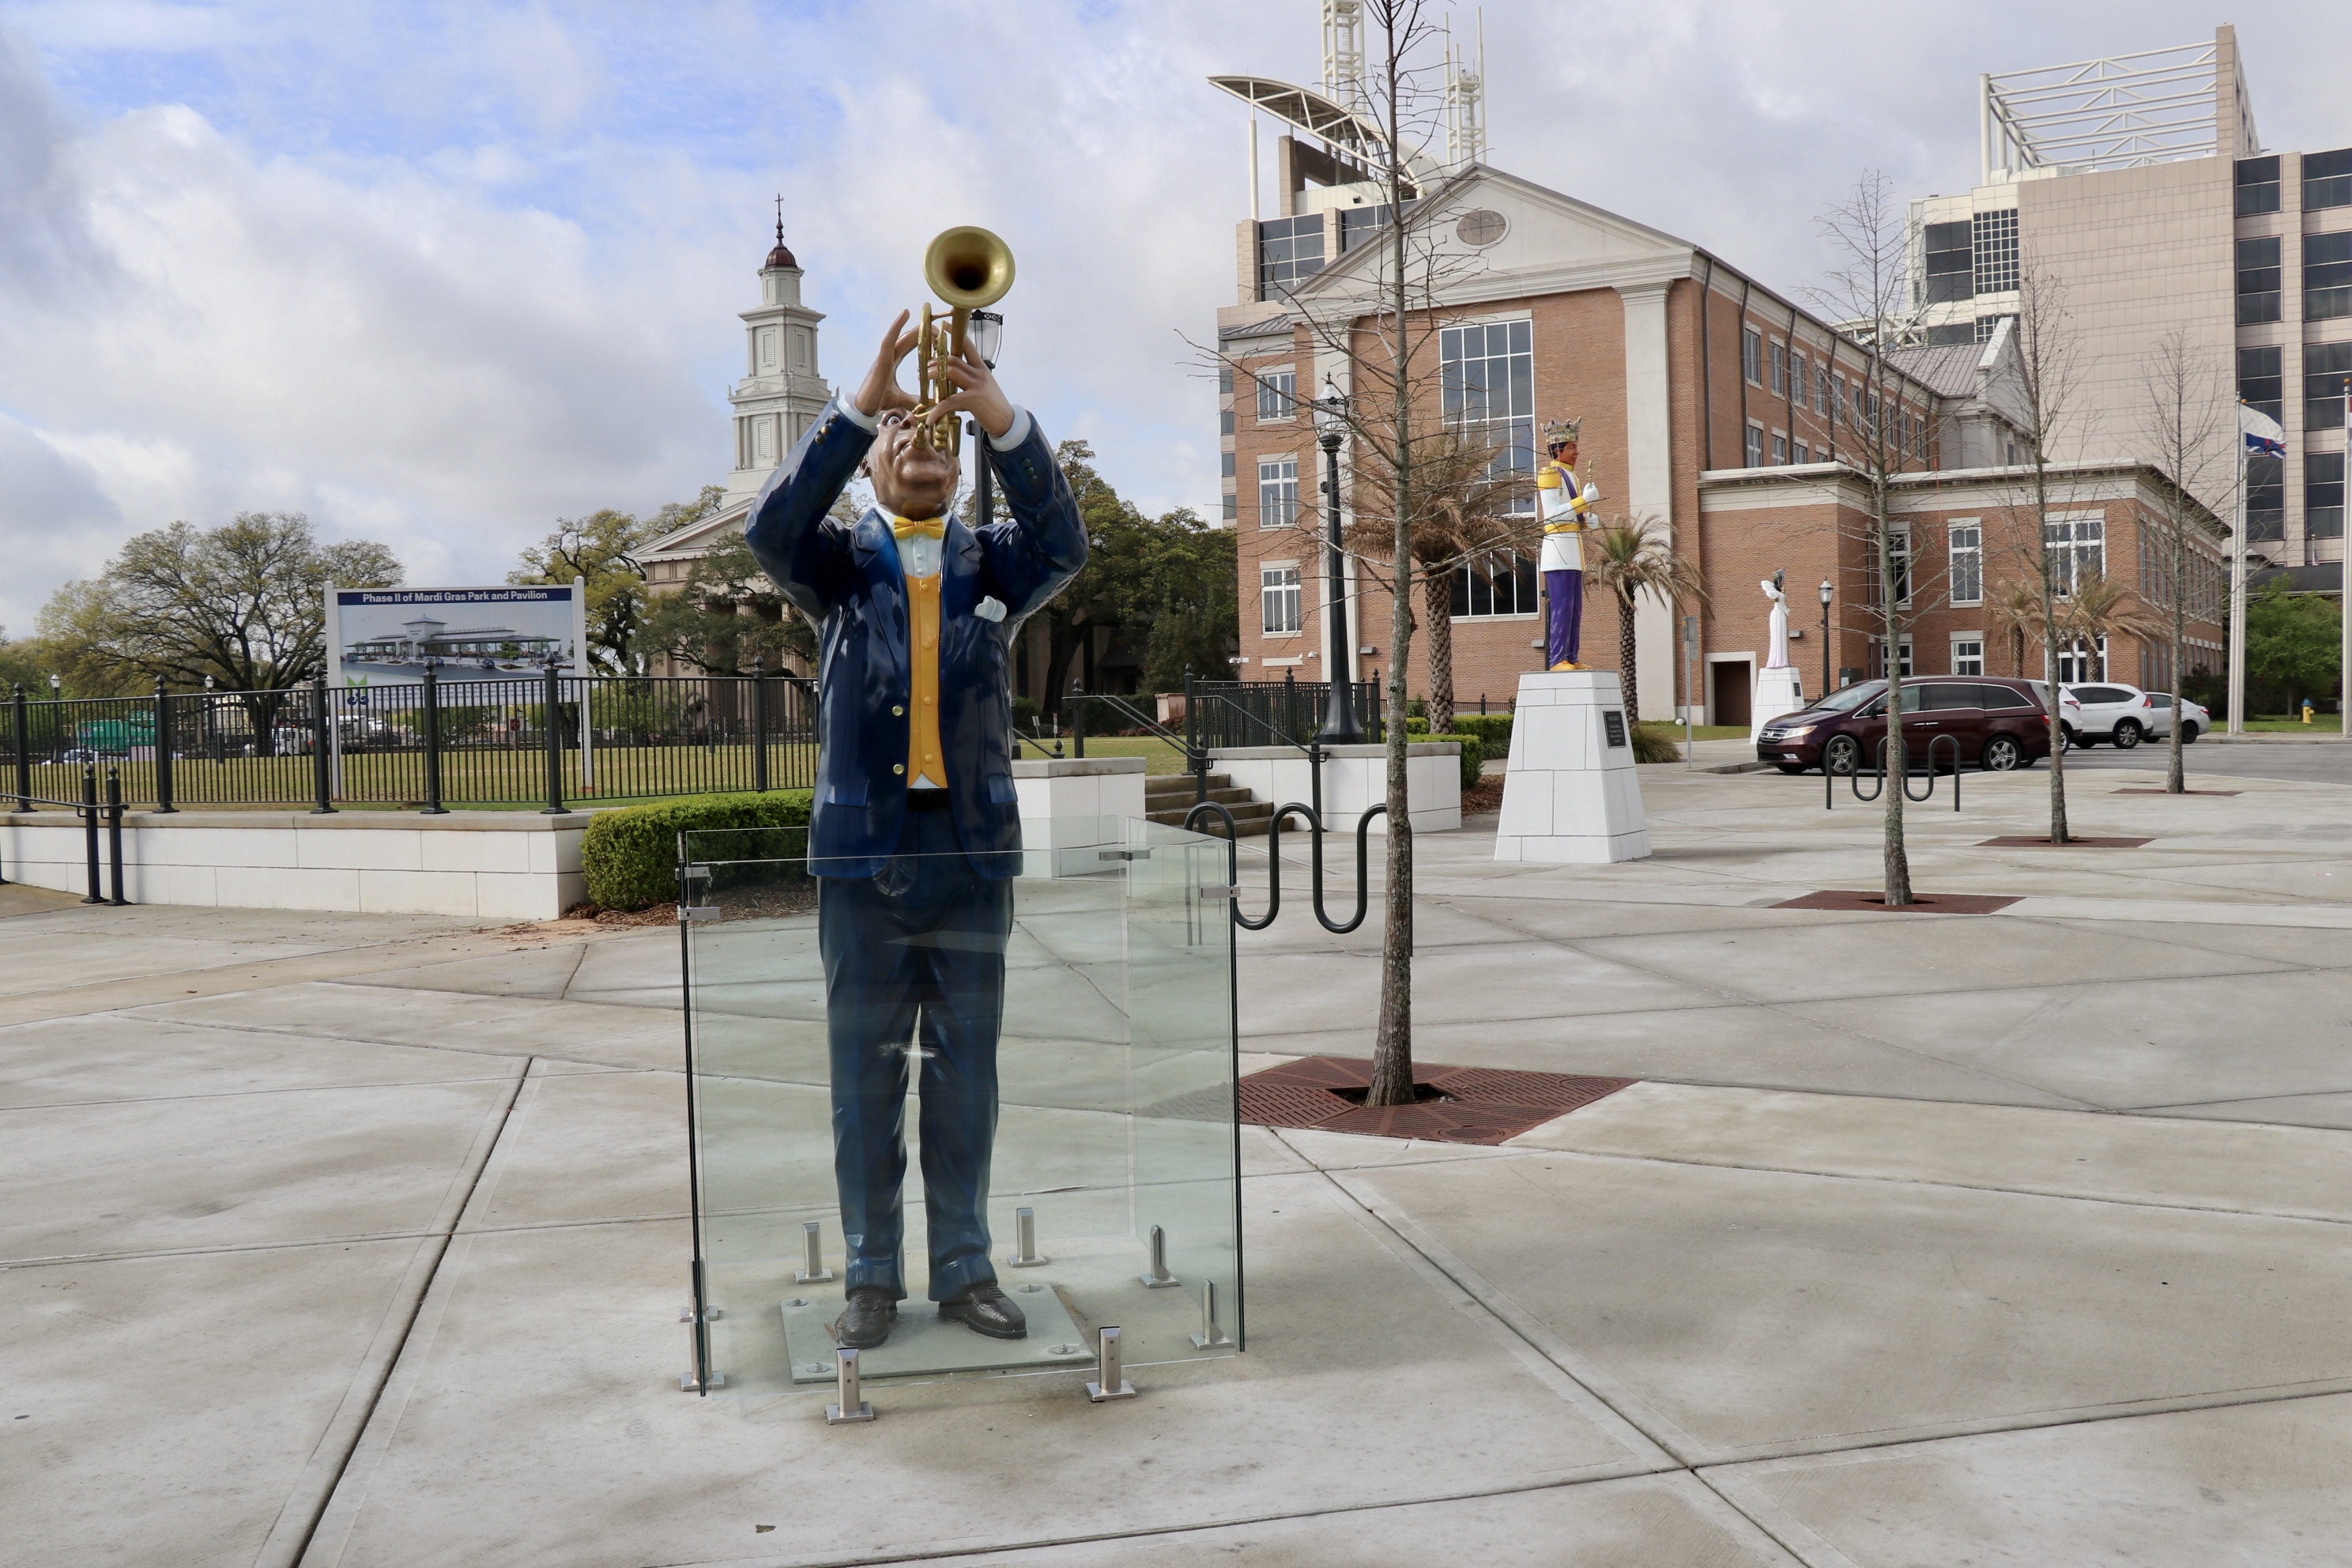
{"x":968,"y":267}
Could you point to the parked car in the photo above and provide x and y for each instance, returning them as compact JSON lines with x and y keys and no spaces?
{"x":2122,"y":715}
{"x":1997,"y":724}
{"x":2070,"y":712}
{"x":2194,"y":720}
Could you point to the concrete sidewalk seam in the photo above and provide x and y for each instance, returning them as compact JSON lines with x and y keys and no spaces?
{"x":1043,"y":1544}
{"x":1993,"y":1427}
{"x":1509,"y":1317}
{"x":298,"y":1519}
{"x":1815,"y":1173}
{"x":274,"y":1089}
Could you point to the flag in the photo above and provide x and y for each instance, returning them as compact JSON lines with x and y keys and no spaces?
{"x":2264,"y":434}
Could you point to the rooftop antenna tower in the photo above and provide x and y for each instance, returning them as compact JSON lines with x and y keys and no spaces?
{"x":1465,"y":99}
{"x":1343,"y":54}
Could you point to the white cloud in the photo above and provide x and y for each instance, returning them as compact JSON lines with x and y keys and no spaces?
{"x":437,"y":273}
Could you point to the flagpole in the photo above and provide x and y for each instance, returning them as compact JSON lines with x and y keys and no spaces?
{"x":2238,"y":591}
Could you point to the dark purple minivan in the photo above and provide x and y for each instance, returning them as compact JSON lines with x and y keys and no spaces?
{"x":1997,"y":724}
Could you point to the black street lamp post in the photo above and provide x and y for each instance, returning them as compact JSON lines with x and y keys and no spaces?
{"x":984,"y":337}
{"x":1340,"y":726}
{"x":1826,"y":592}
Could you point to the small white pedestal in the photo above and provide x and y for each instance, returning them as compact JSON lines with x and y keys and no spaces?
{"x":1778,"y":692}
{"x":1571,"y":793}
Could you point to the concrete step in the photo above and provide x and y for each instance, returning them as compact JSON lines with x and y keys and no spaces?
{"x":1180,"y":800}
{"x":1250,"y":816}
{"x":1180,"y":783}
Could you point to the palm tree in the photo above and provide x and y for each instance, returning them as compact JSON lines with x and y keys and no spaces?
{"x":1626,"y":558}
{"x":1466,"y":514}
{"x":2094,"y":610}
{"x":2099,"y":609}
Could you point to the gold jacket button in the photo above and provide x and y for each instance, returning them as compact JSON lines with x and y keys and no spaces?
{"x":897,"y":767}
{"x":898,"y":712}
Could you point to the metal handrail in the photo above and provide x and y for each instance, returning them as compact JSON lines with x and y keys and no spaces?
{"x":89,"y":809}
{"x":1053,"y":756}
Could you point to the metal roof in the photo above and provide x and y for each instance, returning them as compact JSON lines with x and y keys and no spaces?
{"x":1948,"y":369}
{"x":1354,"y":137}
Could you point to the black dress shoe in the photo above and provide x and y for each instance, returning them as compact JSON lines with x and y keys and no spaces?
{"x":867,"y":1321}
{"x":985,"y":1310}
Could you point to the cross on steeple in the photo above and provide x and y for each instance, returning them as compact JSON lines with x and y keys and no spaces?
{"x":780,"y":218}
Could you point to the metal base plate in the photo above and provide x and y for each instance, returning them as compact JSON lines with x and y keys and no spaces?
{"x":922,"y":1343}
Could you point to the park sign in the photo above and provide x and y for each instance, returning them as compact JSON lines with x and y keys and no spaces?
{"x":378,"y":635}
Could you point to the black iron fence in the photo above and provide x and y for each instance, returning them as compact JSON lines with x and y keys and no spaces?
{"x":550,"y":741}
{"x":1271,"y":712}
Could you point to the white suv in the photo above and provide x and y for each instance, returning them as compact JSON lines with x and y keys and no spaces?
{"x":2194,"y":720}
{"x":2123,"y":714}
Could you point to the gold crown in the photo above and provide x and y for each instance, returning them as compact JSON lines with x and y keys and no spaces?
{"x":1562,"y":432}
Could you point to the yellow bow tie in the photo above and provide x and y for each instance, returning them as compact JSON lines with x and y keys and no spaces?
{"x":929,"y":528}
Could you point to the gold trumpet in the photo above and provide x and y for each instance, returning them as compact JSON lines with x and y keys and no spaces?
{"x":970,"y":269}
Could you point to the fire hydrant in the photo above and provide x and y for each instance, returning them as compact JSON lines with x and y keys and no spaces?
{"x":2307,"y":710}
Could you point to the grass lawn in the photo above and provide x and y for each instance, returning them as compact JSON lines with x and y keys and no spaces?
{"x":1159,"y":756}
{"x":2280,"y":724}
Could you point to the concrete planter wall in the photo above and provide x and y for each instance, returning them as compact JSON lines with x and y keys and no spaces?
{"x":497,"y":865}
{"x":491,"y":865}
{"x":1072,"y":808}
{"x":1354,"y":778}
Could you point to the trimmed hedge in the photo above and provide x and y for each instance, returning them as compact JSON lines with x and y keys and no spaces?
{"x":1473,"y":754}
{"x":1495,"y":729}
{"x":630,"y":853}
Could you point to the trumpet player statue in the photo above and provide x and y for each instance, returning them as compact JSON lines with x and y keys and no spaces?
{"x":914,"y":834}
{"x":1565,"y":509}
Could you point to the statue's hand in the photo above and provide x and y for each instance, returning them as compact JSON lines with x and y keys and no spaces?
{"x":978,"y":392}
{"x":880,"y":391}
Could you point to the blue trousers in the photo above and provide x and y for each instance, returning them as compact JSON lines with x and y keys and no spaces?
{"x":914,"y":957}
{"x":1563,"y":617}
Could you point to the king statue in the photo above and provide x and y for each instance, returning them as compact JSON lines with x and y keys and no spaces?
{"x":1565,"y":509}
{"x":914,"y":835}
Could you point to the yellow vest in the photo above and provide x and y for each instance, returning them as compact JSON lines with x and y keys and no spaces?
{"x":926,"y":758}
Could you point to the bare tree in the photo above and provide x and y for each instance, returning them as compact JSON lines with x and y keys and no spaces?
{"x":1473,"y":513}
{"x":2050,"y":563}
{"x":1378,"y":317}
{"x":2184,"y":423}
{"x":1869,"y":291}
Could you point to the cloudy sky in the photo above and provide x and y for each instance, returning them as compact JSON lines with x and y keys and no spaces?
{"x":438,"y":274}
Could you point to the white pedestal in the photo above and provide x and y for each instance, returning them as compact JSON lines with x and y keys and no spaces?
{"x":1571,"y":793}
{"x":1778,"y":691}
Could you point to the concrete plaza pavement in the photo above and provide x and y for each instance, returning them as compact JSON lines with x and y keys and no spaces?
{"x":1924,"y":1239}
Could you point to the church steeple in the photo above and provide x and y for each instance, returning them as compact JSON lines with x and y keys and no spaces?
{"x":782,"y":391}
{"x":779,"y":257}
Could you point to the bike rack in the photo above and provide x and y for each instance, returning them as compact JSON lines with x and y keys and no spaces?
{"x":1196,"y":757}
{"x":1854,"y":779}
{"x":1273,"y":862}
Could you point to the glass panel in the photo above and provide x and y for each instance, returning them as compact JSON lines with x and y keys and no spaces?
{"x":1096,"y":984}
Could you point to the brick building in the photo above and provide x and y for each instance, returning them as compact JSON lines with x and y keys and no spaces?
{"x":1709,"y":401}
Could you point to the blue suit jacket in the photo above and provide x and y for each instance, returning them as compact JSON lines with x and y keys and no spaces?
{"x":847,"y":578}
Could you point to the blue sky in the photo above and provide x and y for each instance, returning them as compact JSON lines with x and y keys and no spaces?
{"x":439,"y":274}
